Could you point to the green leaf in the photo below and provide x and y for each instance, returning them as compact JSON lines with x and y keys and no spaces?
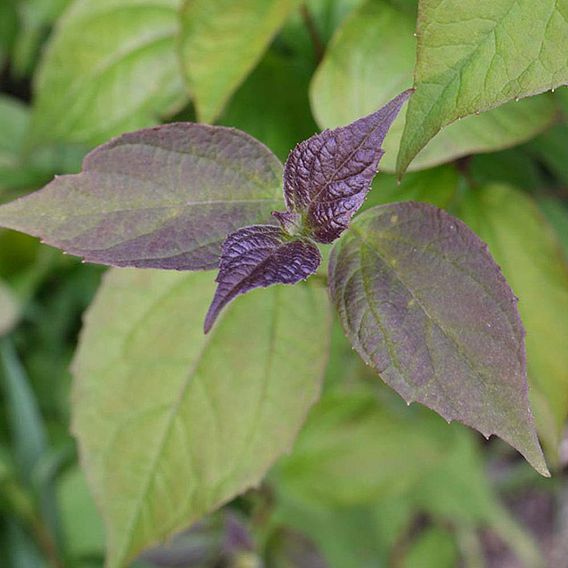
{"x":13,"y":125}
{"x":513,"y":166}
{"x":172,"y":423}
{"x":433,"y":548}
{"x":349,"y":452}
{"x":8,"y":28}
{"x":438,"y":186}
{"x":110,"y":67}
{"x":551,"y":149}
{"x":220,"y":43}
{"x":556,"y":212}
{"x":474,"y":55}
{"x":360,"y":73}
{"x":81,"y":523}
{"x":425,"y":305}
{"x":9,"y":310}
{"x":35,"y":17}
{"x":280,"y":117}
{"x":531,"y":259}
{"x":28,"y":430}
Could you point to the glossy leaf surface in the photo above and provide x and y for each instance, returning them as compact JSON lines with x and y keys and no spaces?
{"x":327,"y":177}
{"x":257,"y":257}
{"x":164,"y":197}
{"x":425,"y":305}
{"x":172,"y":423}
{"x":359,"y":74}
{"x":474,"y":55}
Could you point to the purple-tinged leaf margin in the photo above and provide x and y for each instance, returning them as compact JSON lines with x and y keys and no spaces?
{"x":425,"y":305}
{"x":163,"y":197}
{"x":257,"y":257}
{"x":327,"y":177}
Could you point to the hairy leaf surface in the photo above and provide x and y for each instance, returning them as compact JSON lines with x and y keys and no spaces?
{"x":257,"y":257}
{"x":359,"y":73}
{"x":220,"y":43}
{"x":327,"y":177}
{"x":474,"y":55}
{"x":426,"y":306}
{"x":164,"y":197}
{"x":110,"y":67}
{"x":172,"y":423}
{"x":531,"y":258}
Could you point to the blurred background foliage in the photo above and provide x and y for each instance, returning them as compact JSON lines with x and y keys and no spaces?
{"x":370,"y":481}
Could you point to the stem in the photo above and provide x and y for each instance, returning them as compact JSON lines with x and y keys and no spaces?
{"x":310,"y":24}
{"x":46,"y":543}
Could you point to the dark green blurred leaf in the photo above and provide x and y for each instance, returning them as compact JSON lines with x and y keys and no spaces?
{"x":21,"y":551}
{"x":26,"y":423}
{"x":8,"y":28}
{"x":556,"y":212}
{"x":551,"y":148}
{"x":273,"y":105}
{"x":326,"y":16}
{"x":433,"y":548}
{"x":20,"y":169}
{"x":288,"y":548}
{"x":513,"y":166}
{"x":221,"y":42}
{"x":35,"y":18}
{"x":8,"y":309}
{"x":529,"y":254}
{"x":438,"y":186}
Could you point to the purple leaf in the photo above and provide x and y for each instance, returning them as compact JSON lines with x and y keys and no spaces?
{"x":327,"y":177}
{"x":256,"y":257}
{"x":163,"y":197}
{"x":423,"y":302}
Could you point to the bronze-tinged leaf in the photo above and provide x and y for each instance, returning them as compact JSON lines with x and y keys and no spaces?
{"x":327,"y":176}
{"x":424,"y":304}
{"x":163,"y":197}
{"x":257,"y":257}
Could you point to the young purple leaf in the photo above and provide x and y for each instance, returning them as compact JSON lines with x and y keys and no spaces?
{"x":163,"y":197}
{"x":256,"y":257}
{"x":327,"y":177}
{"x":423,"y":302}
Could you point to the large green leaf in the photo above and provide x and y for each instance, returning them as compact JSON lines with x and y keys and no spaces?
{"x":425,"y":305}
{"x":474,"y":55}
{"x":221,"y":41}
{"x":110,"y":67}
{"x":172,"y":423}
{"x":532,"y":261}
{"x":371,"y":59}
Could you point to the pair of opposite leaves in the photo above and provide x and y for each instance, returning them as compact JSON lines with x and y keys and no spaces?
{"x":457,"y":346}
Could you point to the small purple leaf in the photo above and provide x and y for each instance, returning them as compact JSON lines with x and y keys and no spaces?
{"x":256,"y":257}
{"x":423,"y":302}
{"x":163,"y":197}
{"x":327,"y":177}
